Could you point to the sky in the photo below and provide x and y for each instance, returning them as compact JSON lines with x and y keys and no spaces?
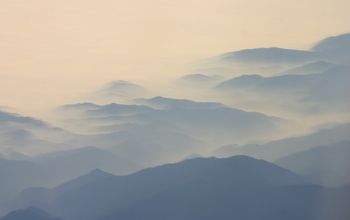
{"x":54,"y":51}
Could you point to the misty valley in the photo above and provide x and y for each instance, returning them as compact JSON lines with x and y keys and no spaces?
{"x":255,"y":134}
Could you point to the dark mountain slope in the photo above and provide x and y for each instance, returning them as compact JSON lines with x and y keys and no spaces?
{"x":208,"y":200}
{"x":117,"y":193}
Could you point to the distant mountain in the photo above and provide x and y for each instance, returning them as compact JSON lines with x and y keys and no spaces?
{"x":199,"y":77}
{"x":284,"y":83}
{"x":274,"y":150}
{"x":74,"y":110}
{"x":93,"y":175}
{"x":242,"y":82}
{"x":69,"y":164}
{"x":192,"y":156}
{"x":150,"y":146}
{"x":14,"y":155}
{"x":331,"y":88}
{"x":257,"y":83}
{"x":119,"y":109}
{"x":122,"y":86}
{"x":234,"y":177}
{"x":31,"y":213}
{"x":15,"y":176}
{"x":316,"y":67}
{"x":168,"y":103}
{"x":226,"y":151}
{"x":210,"y":122}
{"x":213,"y":122}
{"x":54,"y":169}
{"x":153,"y":125}
{"x":144,"y":138}
{"x":199,"y":80}
{"x":29,"y":136}
{"x":271,"y":56}
{"x":12,"y":121}
{"x":79,"y":106}
{"x":237,"y":70}
{"x":120,"y":90}
{"x":335,"y":48}
{"x":320,"y":93}
{"x":116,"y":91}
{"x":331,"y":43}
{"x":41,"y":195}
{"x":326,"y":165}
{"x":275,"y":61}
{"x":26,"y":142}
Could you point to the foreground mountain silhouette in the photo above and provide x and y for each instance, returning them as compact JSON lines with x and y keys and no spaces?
{"x":239,"y":187}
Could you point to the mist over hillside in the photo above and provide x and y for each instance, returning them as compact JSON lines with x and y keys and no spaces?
{"x":259,"y":133}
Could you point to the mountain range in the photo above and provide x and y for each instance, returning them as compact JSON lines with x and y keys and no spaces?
{"x":276,"y":121}
{"x":277,"y":149}
{"x":201,"y":188}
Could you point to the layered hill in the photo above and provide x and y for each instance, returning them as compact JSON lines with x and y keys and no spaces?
{"x":200,"y":188}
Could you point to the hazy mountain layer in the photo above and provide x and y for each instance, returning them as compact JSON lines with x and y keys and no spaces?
{"x":326,"y":165}
{"x":274,"y":150}
{"x":239,"y":187}
{"x":261,"y":102}
{"x":41,"y":195}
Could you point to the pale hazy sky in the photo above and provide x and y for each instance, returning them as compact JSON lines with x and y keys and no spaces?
{"x":51,"y":49}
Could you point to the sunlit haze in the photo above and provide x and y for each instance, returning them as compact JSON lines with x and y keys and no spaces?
{"x":174,"y":109}
{"x":54,"y":52}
